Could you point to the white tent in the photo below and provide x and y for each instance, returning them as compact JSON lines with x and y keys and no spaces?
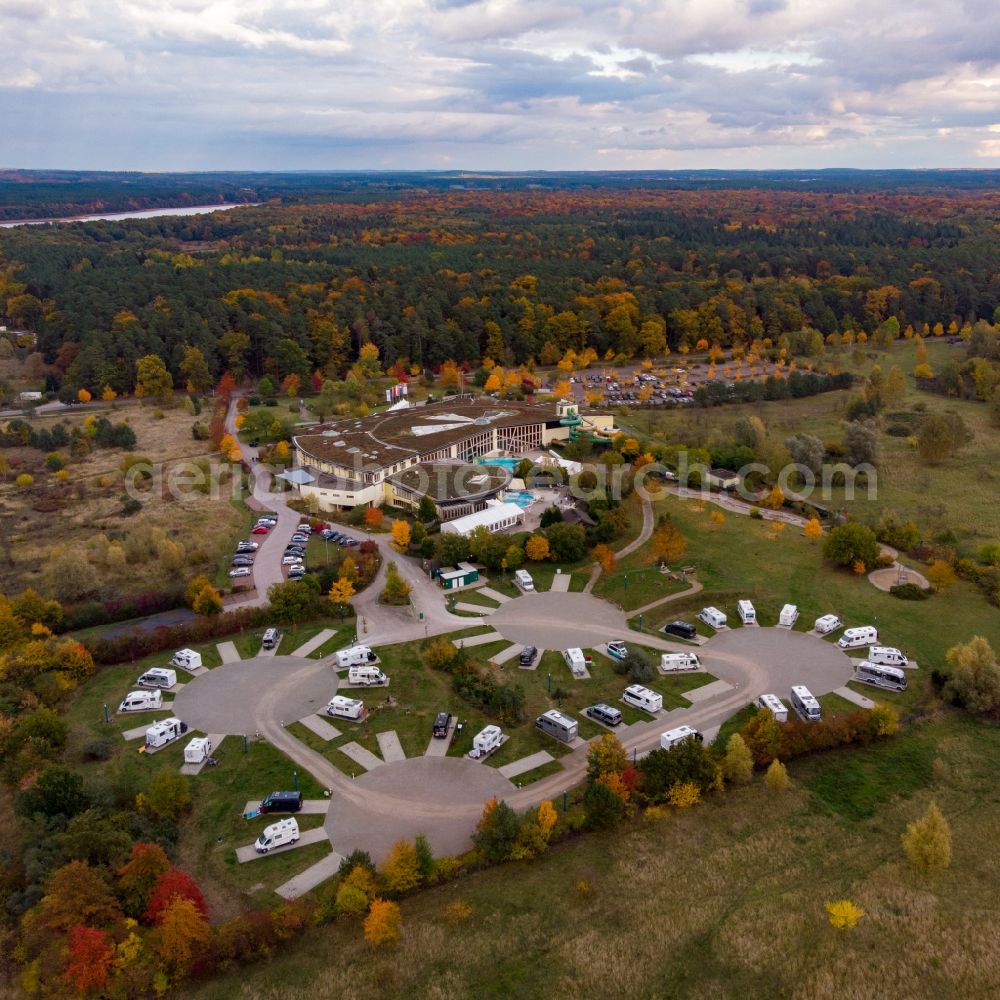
{"x":494,"y":517}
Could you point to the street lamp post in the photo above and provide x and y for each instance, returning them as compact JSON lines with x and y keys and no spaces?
{"x":625,"y":577}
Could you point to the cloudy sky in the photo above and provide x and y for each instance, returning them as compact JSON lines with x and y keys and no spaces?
{"x":499,"y":84}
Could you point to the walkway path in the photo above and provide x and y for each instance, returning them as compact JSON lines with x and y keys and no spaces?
{"x":645,"y":533}
{"x":525,"y":764}
{"x":693,"y":589}
{"x":315,"y":642}
{"x":313,"y":876}
{"x":849,"y":694}
{"x":228,"y":652}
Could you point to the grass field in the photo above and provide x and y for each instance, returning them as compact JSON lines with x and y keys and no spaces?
{"x":723,"y":900}
{"x":740,"y":559}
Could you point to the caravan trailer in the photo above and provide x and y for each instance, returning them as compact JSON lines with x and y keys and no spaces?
{"x":747,"y":612}
{"x":485,"y":742}
{"x":523,"y":579}
{"x":805,"y":705}
{"x":789,"y":616}
{"x":562,"y":727}
{"x":827,"y":624}
{"x":774,"y":705}
{"x":575,"y":661}
{"x":141,"y":701}
{"x":881,"y":675}
{"x":863,"y":635}
{"x":198,"y":750}
{"x":713,"y":618}
{"x":675,"y":737}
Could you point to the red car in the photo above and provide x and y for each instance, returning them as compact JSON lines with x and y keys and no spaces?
{"x":261,"y":529}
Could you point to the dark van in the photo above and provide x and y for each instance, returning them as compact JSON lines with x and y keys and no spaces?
{"x":527,"y":657}
{"x":682,"y":629}
{"x":441,"y":725}
{"x":282,"y":802}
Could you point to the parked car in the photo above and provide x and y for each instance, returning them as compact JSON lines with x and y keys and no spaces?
{"x":294,"y":572}
{"x":328,"y":534}
{"x":350,"y":541}
{"x":241,"y":571}
{"x":295,"y":550}
{"x":306,"y":529}
{"x":300,"y":538}
{"x":269,"y":521}
{"x":291,"y":560}
{"x":247,"y":547}
{"x":242,"y":561}
{"x":261,"y":529}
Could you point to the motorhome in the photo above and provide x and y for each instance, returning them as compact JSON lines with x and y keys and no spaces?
{"x":158,"y":677}
{"x":562,"y":727}
{"x":355,"y":656}
{"x":282,"y":802}
{"x":889,"y":656}
{"x":141,"y":701}
{"x":863,"y":635}
{"x":827,"y":624}
{"x":523,"y":579}
{"x":789,"y":616}
{"x":271,"y":638}
{"x":805,"y":705}
{"x":747,"y":612}
{"x":881,"y":675}
{"x":617,"y":649}
{"x":673,"y":663}
{"x":161,"y":733}
{"x":442,"y":725}
{"x":675,"y":737}
{"x":198,"y":750}
{"x":575,"y":661}
{"x":713,"y":618}
{"x":341,"y":707}
{"x":368,"y":676}
{"x":774,"y":705}
{"x":280,"y":834}
{"x":641,"y":697}
{"x":485,"y":742}
{"x":187,"y":659}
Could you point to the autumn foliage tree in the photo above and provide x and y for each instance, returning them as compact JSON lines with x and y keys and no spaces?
{"x":604,"y":556}
{"x":401,"y":871}
{"x":927,"y":841}
{"x":374,"y":517}
{"x":181,"y":930}
{"x":667,"y":545}
{"x":537,"y":548}
{"x":90,"y":959}
{"x":138,"y":877}
{"x":169,"y":887}
{"x":383,"y":925}
{"x":401,"y":534}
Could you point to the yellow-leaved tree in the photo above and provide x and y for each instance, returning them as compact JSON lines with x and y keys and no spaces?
{"x":927,"y":841}
{"x":383,"y":924}
{"x":401,"y":871}
{"x":843,"y":914}
{"x":401,"y":534}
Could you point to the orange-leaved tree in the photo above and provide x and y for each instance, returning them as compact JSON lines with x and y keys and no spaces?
{"x":383,"y":923}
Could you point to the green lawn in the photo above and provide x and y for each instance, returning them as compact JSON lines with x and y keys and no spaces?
{"x":739,"y":559}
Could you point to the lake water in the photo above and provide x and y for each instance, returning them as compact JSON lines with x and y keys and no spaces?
{"x":146,"y":213}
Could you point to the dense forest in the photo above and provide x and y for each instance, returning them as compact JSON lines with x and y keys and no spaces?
{"x":440,"y":271}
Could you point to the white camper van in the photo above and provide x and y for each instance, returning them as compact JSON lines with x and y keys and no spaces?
{"x":673,"y":663}
{"x":789,"y":616}
{"x":827,"y":624}
{"x":158,"y":677}
{"x":863,"y":635}
{"x":713,"y":618}
{"x":774,"y":705}
{"x":141,"y":701}
{"x":186,"y":659}
{"x":369,"y":676}
{"x":675,"y":737}
{"x":355,"y":656}
{"x":805,"y":705}
{"x":198,"y":750}
{"x":562,"y":727}
{"x":641,"y":697}
{"x":888,"y":656}
{"x":341,"y":707}
{"x":161,"y":733}
{"x":747,"y":612}
{"x":485,"y":742}
{"x":285,"y":831}
{"x":575,"y":661}
{"x":523,"y":579}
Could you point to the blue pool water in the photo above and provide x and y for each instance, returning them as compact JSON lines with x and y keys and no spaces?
{"x":521,"y":498}
{"x":507,"y":463}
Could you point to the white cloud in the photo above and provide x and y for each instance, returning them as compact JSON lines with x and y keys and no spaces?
{"x":547,"y":83}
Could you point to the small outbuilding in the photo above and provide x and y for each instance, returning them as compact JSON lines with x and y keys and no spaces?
{"x":722,"y":479}
{"x":462,"y":576}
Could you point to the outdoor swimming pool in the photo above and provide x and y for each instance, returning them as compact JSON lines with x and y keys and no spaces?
{"x":522,"y":498}
{"x":507,"y":463}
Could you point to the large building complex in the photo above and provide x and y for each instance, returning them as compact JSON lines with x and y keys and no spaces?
{"x":437,"y":450}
